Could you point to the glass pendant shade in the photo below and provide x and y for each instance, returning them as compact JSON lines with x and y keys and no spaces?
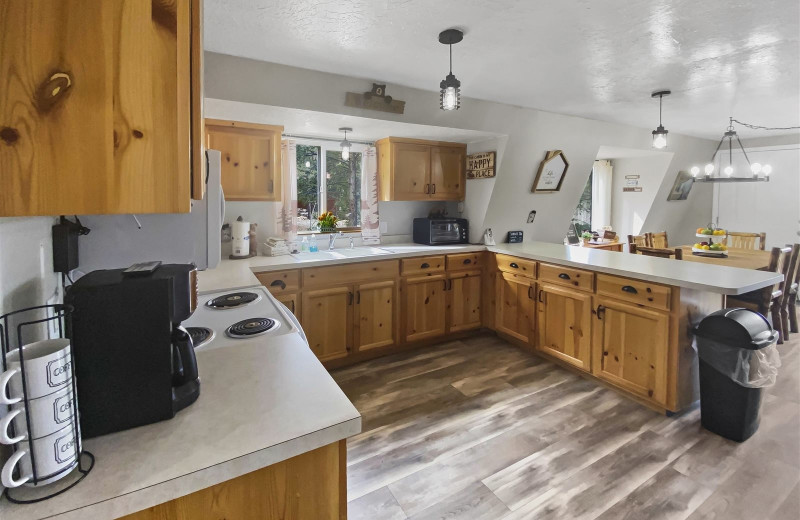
{"x":450,"y":93}
{"x":660,"y":138}
{"x":345,"y":150}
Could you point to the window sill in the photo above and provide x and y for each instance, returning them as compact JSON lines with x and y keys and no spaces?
{"x":348,"y":230}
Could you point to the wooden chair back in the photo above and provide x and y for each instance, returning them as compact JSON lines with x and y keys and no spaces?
{"x":638,"y":240}
{"x":743,"y":240}
{"x":778,"y":263}
{"x":790,"y":277}
{"x":659,"y":252}
{"x":658,"y":240}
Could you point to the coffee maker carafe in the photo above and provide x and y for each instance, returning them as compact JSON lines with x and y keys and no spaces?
{"x":134,"y":362}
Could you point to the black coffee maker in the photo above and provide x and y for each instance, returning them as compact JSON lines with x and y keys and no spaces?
{"x":134,"y":363}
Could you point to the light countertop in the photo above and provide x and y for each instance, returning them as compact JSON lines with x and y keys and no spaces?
{"x":260,"y":403}
{"x":234,"y":274}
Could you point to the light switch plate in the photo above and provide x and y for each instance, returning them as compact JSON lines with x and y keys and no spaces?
{"x":531,"y":216}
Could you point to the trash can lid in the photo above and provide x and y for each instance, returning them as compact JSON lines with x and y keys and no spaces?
{"x":737,"y":327}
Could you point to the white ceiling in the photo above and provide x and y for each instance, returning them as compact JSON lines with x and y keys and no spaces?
{"x":599,"y":59}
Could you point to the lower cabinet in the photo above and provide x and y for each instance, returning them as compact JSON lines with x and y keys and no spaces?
{"x":291,"y":301}
{"x":564,"y":324}
{"x":464,"y":301}
{"x":374,"y":318}
{"x":327,"y":319}
{"x":514,"y":306}
{"x":424,"y":307}
{"x":631,"y":347}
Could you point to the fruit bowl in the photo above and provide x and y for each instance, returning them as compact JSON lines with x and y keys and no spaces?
{"x":709,"y":252}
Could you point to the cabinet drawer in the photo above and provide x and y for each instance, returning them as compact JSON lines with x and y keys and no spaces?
{"x":635,"y":291}
{"x":464,"y":261}
{"x":280,"y":282}
{"x":512,"y":264}
{"x":422,"y":265}
{"x":350,"y":273}
{"x":560,"y":275}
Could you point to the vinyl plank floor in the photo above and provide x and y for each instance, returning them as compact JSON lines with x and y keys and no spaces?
{"x":479,"y":429}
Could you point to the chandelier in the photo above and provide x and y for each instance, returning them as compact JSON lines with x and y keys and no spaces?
{"x":758,"y":172}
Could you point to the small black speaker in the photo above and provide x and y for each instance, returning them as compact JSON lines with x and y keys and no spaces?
{"x":65,"y":247}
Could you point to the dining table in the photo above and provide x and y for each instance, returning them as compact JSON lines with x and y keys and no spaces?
{"x":744,"y":258}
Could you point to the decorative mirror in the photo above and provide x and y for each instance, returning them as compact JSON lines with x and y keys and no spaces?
{"x":551,"y":173}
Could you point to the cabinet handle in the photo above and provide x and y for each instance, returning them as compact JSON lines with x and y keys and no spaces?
{"x":427,"y":188}
{"x":514,"y":265}
{"x":358,"y":297}
{"x":529,"y":292}
{"x":541,"y":296}
{"x":600,"y":312}
{"x":564,"y":276}
{"x":349,"y":298}
{"x":425,"y":265}
{"x":445,"y":285}
{"x":433,"y":188}
{"x":278,"y":283}
{"x":630,"y":289}
{"x":272,"y":186}
{"x":467,"y":261}
{"x":293,"y":307}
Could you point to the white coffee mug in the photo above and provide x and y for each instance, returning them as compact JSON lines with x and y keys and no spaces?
{"x":54,"y":452}
{"x":48,"y":368}
{"x":46,"y":414}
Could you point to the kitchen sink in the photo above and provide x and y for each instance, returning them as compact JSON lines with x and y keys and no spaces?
{"x":419,"y":249}
{"x":338,"y":254}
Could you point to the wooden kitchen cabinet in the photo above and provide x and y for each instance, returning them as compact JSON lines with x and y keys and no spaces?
{"x":291,"y":301}
{"x":98,"y":113}
{"x":564,"y":324}
{"x":374,"y":317}
{"x":251,"y":158}
{"x":514,"y":306}
{"x":327,"y":319}
{"x":424,"y":307}
{"x":464,"y":301}
{"x":631,"y":347}
{"x":413,"y":169}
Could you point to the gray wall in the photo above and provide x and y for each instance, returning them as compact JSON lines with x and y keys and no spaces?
{"x":531,"y":133}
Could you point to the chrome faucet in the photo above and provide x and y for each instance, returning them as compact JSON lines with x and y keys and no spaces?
{"x":352,"y":245}
{"x":332,"y":239}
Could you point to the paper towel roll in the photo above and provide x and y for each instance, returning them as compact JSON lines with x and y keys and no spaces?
{"x":240,"y":231}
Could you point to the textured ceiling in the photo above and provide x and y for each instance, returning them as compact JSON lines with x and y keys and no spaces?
{"x":593,"y":58}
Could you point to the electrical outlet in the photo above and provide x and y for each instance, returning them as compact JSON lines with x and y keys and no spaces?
{"x":531,"y":216}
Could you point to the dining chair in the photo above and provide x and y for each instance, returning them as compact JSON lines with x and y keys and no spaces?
{"x":743,"y":240}
{"x":789,"y":298}
{"x":767,"y":300}
{"x":657,"y":239}
{"x":637,"y":241}
{"x":660,"y":252}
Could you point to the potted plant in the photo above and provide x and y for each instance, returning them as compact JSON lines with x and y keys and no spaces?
{"x":327,"y":222}
{"x":586,"y":236}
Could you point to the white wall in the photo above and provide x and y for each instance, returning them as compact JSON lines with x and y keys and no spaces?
{"x":772,"y":207}
{"x":531,"y":133}
{"x":629,"y":209}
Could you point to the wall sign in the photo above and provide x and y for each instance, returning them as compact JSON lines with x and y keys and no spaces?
{"x":631,"y":189}
{"x":551,"y":172}
{"x":481,"y":165}
{"x":375,"y":99}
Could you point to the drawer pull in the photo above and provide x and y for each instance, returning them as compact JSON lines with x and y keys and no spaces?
{"x":514,"y":265}
{"x":278,"y":283}
{"x":600,"y":312}
{"x":425,"y":265}
{"x":630,"y":289}
{"x":564,"y":276}
{"x":467,"y":261}
{"x":427,"y":188}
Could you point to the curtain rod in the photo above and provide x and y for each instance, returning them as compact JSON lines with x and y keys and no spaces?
{"x":315,"y":138}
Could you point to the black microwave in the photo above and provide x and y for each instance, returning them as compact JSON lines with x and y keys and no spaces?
{"x":438,"y":231}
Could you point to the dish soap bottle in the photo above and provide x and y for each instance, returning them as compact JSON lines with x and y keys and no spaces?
{"x":312,"y":246}
{"x":304,"y":245}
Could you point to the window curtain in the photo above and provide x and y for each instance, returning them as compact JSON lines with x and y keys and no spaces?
{"x":601,"y":194}
{"x":286,"y":210}
{"x":370,"y":223}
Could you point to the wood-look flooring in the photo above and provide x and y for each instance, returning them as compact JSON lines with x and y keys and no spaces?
{"x":479,"y":429}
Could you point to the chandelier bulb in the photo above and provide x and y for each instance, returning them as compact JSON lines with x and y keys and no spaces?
{"x":728,"y":170}
{"x":767,"y":169}
{"x":695,"y":170}
{"x":709,"y":169}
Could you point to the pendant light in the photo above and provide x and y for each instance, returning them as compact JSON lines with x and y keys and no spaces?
{"x":450,"y":87}
{"x":345,"y":144}
{"x":660,"y":133}
{"x":758,"y":171}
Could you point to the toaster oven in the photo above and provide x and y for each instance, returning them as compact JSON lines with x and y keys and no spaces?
{"x":439,"y":231}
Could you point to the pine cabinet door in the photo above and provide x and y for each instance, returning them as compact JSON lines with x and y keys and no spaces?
{"x":411,"y":171}
{"x":448,"y":173}
{"x":327,"y":321}
{"x":424,"y":307}
{"x":375,"y":314}
{"x":514,"y":306}
{"x":464,"y":301}
{"x":291,"y":301}
{"x":564,"y":325}
{"x":251,"y":159}
{"x":631,"y":346}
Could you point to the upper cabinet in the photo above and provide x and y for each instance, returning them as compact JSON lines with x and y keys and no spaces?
{"x":251,"y":158}
{"x":412,"y":169}
{"x":99,"y":107}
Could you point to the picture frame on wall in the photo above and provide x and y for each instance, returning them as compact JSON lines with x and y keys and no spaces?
{"x":551,"y":172}
{"x":682,"y":186}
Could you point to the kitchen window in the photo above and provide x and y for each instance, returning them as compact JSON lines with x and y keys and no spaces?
{"x":326,"y":182}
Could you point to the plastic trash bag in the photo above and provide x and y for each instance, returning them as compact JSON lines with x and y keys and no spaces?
{"x":748,"y":368}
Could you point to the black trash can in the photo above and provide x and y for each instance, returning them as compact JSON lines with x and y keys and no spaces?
{"x":738,"y":358}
